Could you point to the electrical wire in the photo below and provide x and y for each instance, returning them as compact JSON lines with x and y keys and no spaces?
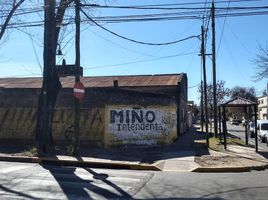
{"x":160,"y":6}
{"x":153,"y":17}
{"x":140,"y":61}
{"x":222,"y":30}
{"x":121,"y":46}
{"x":194,"y":86}
{"x":139,"y":42}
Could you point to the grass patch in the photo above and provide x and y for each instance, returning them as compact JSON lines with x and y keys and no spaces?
{"x":217,"y":145}
{"x":34,"y":151}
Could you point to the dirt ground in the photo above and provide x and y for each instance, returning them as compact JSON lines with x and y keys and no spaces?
{"x":226,"y":161}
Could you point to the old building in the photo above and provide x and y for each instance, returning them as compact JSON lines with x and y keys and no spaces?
{"x":116,"y":110}
{"x":262,"y":107}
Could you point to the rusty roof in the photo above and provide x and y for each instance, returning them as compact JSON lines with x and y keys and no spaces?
{"x":238,"y":102}
{"x":99,"y":81}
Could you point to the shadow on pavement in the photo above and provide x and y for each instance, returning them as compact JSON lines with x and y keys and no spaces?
{"x":75,"y":187}
{"x":264,"y":154}
{"x":18,"y":194}
{"x":185,"y":198}
{"x":184,"y":146}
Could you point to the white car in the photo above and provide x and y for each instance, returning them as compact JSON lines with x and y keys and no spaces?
{"x":262,"y":127}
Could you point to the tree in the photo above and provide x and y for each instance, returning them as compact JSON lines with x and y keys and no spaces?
{"x":8,"y":7}
{"x":222,"y":92}
{"x":244,"y":92}
{"x":51,"y":83}
{"x":261,"y":61}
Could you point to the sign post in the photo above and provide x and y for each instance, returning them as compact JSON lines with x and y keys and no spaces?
{"x":79,"y":90}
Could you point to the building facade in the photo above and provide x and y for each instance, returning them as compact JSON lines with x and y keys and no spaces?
{"x":262,"y":107}
{"x":116,"y":110}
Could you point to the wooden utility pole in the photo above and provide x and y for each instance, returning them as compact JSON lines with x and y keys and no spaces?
{"x":203,"y":54}
{"x":202,"y":106}
{"x":77,"y":77}
{"x":46,"y":100}
{"x":214,"y":71}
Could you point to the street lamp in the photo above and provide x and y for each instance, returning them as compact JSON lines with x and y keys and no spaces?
{"x":59,"y":52}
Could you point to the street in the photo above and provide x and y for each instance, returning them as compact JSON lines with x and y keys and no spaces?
{"x":239,"y":131}
{"x":34,"y":181}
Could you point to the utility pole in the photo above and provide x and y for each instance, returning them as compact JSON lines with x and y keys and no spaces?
{"x":203,"y":54}
{"x":77,"y":77}
{"x":45,"y":108}
{"x":202,"y":107}
{"x":214,"y":71}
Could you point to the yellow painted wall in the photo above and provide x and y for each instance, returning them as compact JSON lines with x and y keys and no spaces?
{"x":17,"y":123}
{"x":20,"y":123}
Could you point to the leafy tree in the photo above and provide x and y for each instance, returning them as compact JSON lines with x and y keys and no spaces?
{"x":244,"y":92}
{"x":261,"y":61}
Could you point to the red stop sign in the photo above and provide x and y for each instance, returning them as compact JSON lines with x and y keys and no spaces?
{"x":79,"y":90}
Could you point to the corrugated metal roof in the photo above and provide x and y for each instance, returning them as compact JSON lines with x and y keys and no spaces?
{"x":98,"y":81}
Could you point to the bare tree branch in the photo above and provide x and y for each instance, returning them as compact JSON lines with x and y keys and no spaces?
{"x":9,"y":16}
{"x":261,"y":61}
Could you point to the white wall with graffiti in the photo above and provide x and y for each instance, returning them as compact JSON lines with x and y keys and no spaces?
{"x":129,"y":125}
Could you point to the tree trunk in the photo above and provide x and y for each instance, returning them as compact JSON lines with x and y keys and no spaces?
{"x":51,"y":84}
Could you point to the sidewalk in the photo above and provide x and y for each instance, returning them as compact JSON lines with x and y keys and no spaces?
{"x":187,"y":154}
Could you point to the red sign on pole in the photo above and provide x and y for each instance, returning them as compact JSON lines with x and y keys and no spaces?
{"x":79,"y":90}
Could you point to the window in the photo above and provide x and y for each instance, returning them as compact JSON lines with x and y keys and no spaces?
{"x":264,"y":127}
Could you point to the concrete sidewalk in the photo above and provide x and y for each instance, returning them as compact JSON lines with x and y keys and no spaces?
{"x":178,"y":157}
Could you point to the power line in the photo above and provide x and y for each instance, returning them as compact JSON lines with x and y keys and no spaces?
{"x":160,"y":6}
{"x":121,"y":46}
{"x":222,"y":30}
{"x":194,"y":86}
{"x":140,"y":61}
{"x":139,"y":42}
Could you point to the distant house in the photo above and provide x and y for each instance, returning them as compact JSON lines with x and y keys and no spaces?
{"x":262,"y":107}
{"x":116,"y":110}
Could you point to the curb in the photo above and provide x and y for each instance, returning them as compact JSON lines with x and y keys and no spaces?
{"x":221,"y":169}
{"x":121,"y":165}
{"x":80,"y":163}
{"x":20,"y":159}
{"x":230,"y":169}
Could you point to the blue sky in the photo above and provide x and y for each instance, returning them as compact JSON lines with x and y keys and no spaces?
{"x":106,"y":54}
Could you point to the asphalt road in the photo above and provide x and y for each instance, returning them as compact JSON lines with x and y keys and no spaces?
{"x":239,"y":131}
{"x":33,"y":181}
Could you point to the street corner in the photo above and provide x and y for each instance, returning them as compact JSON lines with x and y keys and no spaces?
{"x":228,"y":163}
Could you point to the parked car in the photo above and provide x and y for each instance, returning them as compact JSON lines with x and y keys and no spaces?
{"x":262,"y":127}
{"x":235,"y":122}
{"x":251,"y":129}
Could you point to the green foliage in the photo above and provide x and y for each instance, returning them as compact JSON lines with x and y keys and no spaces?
{"x":33,"y":151}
